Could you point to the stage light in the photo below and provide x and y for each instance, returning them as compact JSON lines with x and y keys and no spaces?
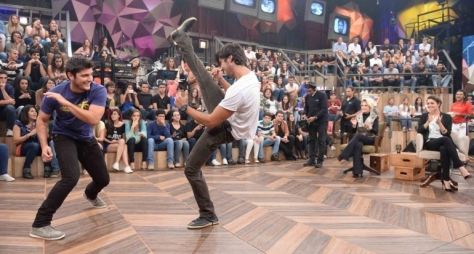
{"x":24,"y":21}
{"x":203,"y":44}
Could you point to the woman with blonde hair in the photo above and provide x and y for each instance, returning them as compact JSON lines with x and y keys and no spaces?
{"x":365,"y":125}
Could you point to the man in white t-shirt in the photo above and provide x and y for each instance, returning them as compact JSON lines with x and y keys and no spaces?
{"x":354,"y":46}
{"x":231,"y":116}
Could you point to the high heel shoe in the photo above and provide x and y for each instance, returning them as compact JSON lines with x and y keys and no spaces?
{"x":454,"y":187}
{"x":464,"y":173}
{"x":446,"y":186}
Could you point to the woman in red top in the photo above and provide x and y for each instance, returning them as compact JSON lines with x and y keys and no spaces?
{"x":460,"y":109}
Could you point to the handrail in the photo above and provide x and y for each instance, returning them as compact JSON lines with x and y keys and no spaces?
{"x":397,"y":74}
{"x":288,"y":60}
{"x":453,"y":66}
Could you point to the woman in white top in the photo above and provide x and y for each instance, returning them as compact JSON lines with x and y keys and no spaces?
{"x":85,"y":50}
{"x":12,"y":26}
{"x":435,"y":127}
{"x":36,"y":28}
{"x":405,"y":111}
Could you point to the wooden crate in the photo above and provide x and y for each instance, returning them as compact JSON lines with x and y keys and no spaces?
{"x":406,"y":160}
{"x":409,"y":173}
{"x":379,"y":162}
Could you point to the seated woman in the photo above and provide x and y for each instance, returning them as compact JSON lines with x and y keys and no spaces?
{"x":136,"y":138}
{"x":405,"y":110}
{"x":26,"y":141}
{"x":436,"y":129}
{"x":115,"y":140}
{"x":366,"y":127}
{"x":46,"y":85}
{"x":23,"y":94}
{"x":178,"y":133}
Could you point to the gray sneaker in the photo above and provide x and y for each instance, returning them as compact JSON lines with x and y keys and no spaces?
{"x":47,"y":233}
{"x":97,"y":202}
{"x":202,"y":222}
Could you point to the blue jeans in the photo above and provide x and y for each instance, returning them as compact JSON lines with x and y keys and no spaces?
{"x":405,"y":122}
{"x":167,"y":144}
{"x":268,"y":142}
{"x":181,"y":145}
{"x":3,"y":159}
{"x":226,"y":151}
{"x":8,"y":114}
{"x":54,"y":161}
{"x":334,"y":117}
{"x":278,"y":94}
{"x":242,"y":147}
{"x":30,"y":150}
{"x":410,"y":82}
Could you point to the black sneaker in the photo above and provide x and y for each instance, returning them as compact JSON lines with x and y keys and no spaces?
{"x":183,"y":28}
{"x":318,"y":164}
{"x":275,"y":157}
{"x":308,"y":163}
{"x":241,"y":161}
{"x":202,"y":222}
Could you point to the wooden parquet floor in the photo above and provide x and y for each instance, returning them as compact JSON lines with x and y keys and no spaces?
{"x":268,"y":208}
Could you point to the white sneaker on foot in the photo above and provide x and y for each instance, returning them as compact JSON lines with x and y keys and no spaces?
{"x":215,"y":163}
{"x":6,"y":177}
{"x":116,"y":166}
{"x":47,"y":233}
{"x":224,"y":161}
{"x":128,"y":170}
{"x":9,"y":133}
{"x":247,"y":161}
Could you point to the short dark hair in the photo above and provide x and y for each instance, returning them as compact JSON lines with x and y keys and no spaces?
{"x":432,"y":97}
{"x":234,"y":50}
{"x":34,"y":51}
{"x":160,"y":112}
{"x":279,"y":112}
{"x":3,"y":72}
{"x":77,"y":64}
{"x":24,"y":114}
{"x":268,"y":114}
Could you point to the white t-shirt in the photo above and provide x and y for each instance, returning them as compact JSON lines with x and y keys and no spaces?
{"x":354,"y":47}
{"x":243,"y":98}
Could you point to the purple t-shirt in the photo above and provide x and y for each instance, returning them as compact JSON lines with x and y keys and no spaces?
{"x":66,"y":123}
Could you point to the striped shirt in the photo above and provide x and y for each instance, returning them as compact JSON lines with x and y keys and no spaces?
{"x":265,"y":129}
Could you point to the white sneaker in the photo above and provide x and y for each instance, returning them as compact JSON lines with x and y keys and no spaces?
{"x":256,"y":160}
{"x":6,"y":177}
{"x":333,"y":148}
{"x":116,"y":166}
{"x":215,"y":163}
{"x":128,"y":170}
{"x":9,"y":133}
{"x":224,"y":162}
{"x":247,"y":161}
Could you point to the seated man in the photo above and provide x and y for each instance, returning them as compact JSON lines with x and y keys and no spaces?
{"x":145,"y":101}
{"x":159,"y":139}
{"x":390,"y":111}
{"x":12,"y":66}
{"x":7,"y":102}
{"x":161,"y":99}
{"x":376,"y":80}
{"x":391,"y":80}
{"x":287,"y":140}
{"x":266,"y":133}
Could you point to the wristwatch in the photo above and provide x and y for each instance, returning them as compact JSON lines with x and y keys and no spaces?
{"x":184,"y":107}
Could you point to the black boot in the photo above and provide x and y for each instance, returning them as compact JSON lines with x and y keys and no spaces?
{"x":27,"y":173}
{"x":183,"y":28}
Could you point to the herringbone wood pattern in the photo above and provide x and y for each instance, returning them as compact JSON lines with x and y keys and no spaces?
{"x":267,"y":208}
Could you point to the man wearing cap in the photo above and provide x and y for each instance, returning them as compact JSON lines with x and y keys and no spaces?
{"x":316,"y":110}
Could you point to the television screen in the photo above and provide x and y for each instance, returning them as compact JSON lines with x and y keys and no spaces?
{"x":317,"y":8}
{"x":341,"y":25}
{"x":249,"y":3}
{"x":268,"y":6}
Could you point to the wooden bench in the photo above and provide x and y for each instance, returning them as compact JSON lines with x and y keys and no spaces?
{"x":37,"y":166}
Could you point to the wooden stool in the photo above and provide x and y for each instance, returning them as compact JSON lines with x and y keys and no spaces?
{"x":379,"y":162}
{"x":37,"y":167}
{"x":407,"y":166}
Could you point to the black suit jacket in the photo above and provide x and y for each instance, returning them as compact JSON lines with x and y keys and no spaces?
{"x":446,"y":120}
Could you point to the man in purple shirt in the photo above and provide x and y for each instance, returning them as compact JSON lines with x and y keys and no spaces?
{"x":78,"y":104}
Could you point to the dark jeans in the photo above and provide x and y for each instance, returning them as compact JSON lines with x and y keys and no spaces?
{"x":447,"y":151}
{"x":69,"y":152}
{"x":3,"y":159}
{"x":8,"y":114}
{"x":141,"y":146}
{"x":210,"y":139}
{"x":30,"y":150}
{"x":287,"y":148}
{"x":317,"y":136}
{"x":354,"y":149}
